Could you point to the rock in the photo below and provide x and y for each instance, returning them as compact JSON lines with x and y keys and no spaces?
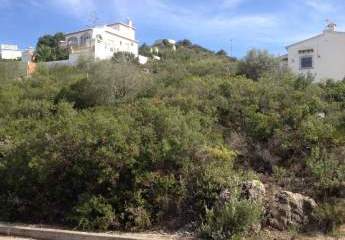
{"x":290,"y":210}
{"x":225,"y":196}
{"x":254,"y":190}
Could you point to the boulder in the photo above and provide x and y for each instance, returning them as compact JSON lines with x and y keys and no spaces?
{"x":254,"y":190}
{"x":290,"y":210}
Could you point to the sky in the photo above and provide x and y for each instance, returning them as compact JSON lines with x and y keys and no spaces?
{"x":215,"y":24}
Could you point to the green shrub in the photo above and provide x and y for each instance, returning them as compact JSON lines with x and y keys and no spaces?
{"x":330,"y":215}
{"x":281,"y":175}
{"x":136,"y":218}
{"x":93,"y":213}
{"x":124,"y":58}
{"x":211,"y":173}
{"x":231,"y":221}
{"x":157,"y":143}
{"x":107,"y":83}
{"x":327,"y":167}
{"x":12,"y":71}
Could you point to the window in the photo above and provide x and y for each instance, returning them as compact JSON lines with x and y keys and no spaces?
{"x":72,"y":41}
{"x":306,"y":51}
{"x":99,"y":38}
{"x":306,"y":62}
{"x":84,"y":39}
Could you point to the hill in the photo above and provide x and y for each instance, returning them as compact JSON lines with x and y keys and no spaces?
{"x":114,"y":145}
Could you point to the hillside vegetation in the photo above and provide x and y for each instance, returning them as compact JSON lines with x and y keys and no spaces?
{"x":115,"y":145}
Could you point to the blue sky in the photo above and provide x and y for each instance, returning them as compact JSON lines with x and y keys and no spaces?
{"x":264,"y":24}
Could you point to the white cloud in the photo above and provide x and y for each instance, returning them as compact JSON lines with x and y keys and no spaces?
{"x":160,"y":12}
{"x":77,"y":8}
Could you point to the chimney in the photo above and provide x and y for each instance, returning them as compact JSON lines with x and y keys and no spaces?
{"x":130,"y":22}
{"x":331,"y":27}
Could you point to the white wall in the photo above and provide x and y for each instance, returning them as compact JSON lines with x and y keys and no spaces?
{"x":9,"y":52}
{"x":124,"y":30}
{"x":328,"y":56}
{"x":113,"y":43}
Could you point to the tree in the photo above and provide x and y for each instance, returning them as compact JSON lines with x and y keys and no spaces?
{"x":48,"y":49}
{"x":222,"y":53}
{"x":185,"y":43}
{"x":145,"y":50}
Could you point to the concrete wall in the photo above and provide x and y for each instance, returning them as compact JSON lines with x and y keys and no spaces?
{"x":58,"y":63}
{"x":328,"y":56}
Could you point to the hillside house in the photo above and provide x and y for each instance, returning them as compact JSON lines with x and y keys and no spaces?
{"x":323,"y":55}
{"x":101,"y":43}
{"x":10,"y":52}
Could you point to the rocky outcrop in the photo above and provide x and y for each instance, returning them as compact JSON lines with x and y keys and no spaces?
{"x":290,"y":210}
{"x":254,"y":190}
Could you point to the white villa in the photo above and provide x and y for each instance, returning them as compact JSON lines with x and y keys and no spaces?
{"x":101,"y":43}
{"x":10,"y":52}
{"x":322,"y":56}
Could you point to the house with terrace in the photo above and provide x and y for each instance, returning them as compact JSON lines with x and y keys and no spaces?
{"x":100,"y":43}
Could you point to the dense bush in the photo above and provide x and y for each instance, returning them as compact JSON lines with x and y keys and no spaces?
{"x":230,"y":221}
{"x":115,"y":145}
{"x":93,"y":213}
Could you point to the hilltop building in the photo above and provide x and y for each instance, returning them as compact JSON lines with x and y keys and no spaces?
{"x":161,"y":41}
{"x":323,"y":55}
{"x":101,"y":43}
{"x":10,"y":52}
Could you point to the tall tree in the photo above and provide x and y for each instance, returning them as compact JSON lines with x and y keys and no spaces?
{"x":48,"y":49}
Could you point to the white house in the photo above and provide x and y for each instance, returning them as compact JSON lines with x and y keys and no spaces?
{"x":10,"y":52}
{"x":322,"y":56}
{"x":101,"y":43}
